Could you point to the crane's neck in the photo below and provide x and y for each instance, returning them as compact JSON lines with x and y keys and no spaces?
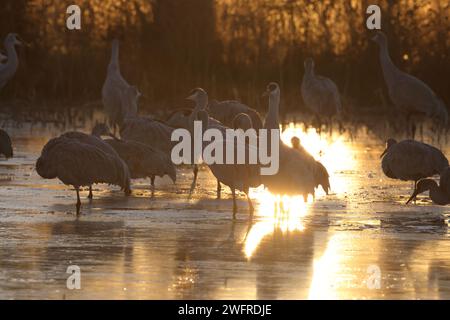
{"x":114,"y":62}
{"x":309,"y":73}
{"x":390,"y":71}
{"x":438,"y":195}
{"x":200,"y":104}
{"x":13,"y":60}
{"x":272,"y":121}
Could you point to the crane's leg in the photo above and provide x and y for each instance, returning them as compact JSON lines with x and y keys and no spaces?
{"x":90,"y":195}
{"x":318,"y":125}
{"x":233,"y":192}
{"x":330,"y":124}
{"x":194,"y":182}
{"x":219,"y":189}
{"x":78,"y":200}
{"x":413,"y":130}
{"x":152,"y":185}
{"x":251,"y":209}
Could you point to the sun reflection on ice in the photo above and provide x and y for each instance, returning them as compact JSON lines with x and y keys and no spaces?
{"x":333,"y":152}
{"x":287,"y":213}
{"x":275,"y":213}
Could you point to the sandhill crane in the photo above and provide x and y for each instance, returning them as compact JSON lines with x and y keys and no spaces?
{"x":296,"y":174}
{"x":5,"y":144}
{"x":93,"y":140}
{"x":200,"y":97}
{"x":142,"y":160}
{"x":226,"y":111}
{"x":242,"y":121}
{"x":78,"y":163}
{"x":321,"y":175}
{"x":116,"y":92}
{"x":236,"y":176}
{"x":320,"y":94}
{"x":182,"y":118}
{"x":8,"y":69}
{"x":410,"y":95}
{"x":154,"y":133}
{"x":411,"y":160}
{"x":439,"y":194}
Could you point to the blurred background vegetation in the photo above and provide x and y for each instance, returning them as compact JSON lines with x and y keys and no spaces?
{"x":232,"y":48}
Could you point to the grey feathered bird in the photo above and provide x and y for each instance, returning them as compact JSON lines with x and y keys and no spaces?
{"x":439,"y":194}
{"x":297,"y":170}
{"x":117,"y":94}
{"x":320,"y":94}
{"x":236,"y":176}
{"x":411,"y":160}
{"x":93,"y":140}
{"x":226,"y":111}
{"x":142,"y":160}
{"x":5,"y":144}
{"x":242,"y":121}
{"x":8,"y":69}
{"x":79,"y":163}
{"x":321,"y":176}
{"x":409,"y":94}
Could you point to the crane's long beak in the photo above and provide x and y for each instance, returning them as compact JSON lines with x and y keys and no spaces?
{"x":113,"y":136}
{"x":384,"y":152}
{"x":22,"y":42}
{"x":413,"y":196}
{"x":191,"y":97}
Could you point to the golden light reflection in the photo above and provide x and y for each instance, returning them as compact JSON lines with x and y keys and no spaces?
{"x":277,"y":213}
{"x":287,"y":213}
{"x":325,"y":279}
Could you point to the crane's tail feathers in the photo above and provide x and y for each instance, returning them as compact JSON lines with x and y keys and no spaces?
{"x":45,"y":169}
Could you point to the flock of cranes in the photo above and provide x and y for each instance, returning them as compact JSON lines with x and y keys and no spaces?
{"x":144,"y":147}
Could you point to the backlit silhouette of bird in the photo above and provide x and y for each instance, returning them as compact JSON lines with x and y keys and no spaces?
{"x":411,"y":160}
{"x":79,"y":163}
{"x":409,"y":94}
{"x":321,"y":175}
{"x":439,"y":194}
{"x":297,"y":169}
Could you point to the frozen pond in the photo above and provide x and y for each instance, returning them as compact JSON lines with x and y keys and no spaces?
{"x":170,"y":246}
